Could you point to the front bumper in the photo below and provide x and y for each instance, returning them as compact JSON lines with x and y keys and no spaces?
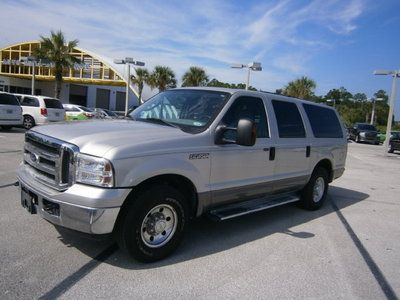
{"x":372,"y":140}
{"x":83,"y":208}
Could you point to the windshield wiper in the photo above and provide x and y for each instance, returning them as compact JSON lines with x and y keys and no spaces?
{"x":158,"y":121}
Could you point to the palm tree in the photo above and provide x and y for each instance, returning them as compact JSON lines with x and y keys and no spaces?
{"x":195,"y":76}
{"x":142,"y":76}
{"x":162,"y":78}
{"x":57,"y":51}
{"x":302,"y":88}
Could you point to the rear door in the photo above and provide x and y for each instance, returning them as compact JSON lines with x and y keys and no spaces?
{"x":10,"y":109}
{"x":292,"y":153}
{"x":55,"y":110}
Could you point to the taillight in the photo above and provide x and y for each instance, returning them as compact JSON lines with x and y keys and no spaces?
{"x":43,"y":111}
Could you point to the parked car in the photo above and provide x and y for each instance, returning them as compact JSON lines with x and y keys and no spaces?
{"x":105,"y":113}
{"x":78,"y":112}
{"x":364,"y":132}
{"x":185,"y":153}
{"x":10,"y":111}
{"x":394,"y":142}
{"x":39,"y":110}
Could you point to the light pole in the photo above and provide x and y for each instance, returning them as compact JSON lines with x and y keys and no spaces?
{"x":373,"y":109}
{"x":254,"y":66}
{"x":33,"y":60}
{"x":394,"y":74}
{"x":128,"y":61}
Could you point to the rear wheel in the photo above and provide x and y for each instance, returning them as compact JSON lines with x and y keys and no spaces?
{"x":29,"y":122}
{"x":314,"y":193}
{"x":152,"y":226}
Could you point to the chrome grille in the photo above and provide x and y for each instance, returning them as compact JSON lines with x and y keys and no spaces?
{"x":50,"y":160}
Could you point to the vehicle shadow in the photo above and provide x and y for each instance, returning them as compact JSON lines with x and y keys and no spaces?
{"x":206,"y":237}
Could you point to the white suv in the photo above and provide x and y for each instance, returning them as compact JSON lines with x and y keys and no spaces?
{"x":39,"y":110}
{"x":10,"y":111}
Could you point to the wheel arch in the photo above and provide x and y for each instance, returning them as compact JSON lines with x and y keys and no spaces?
{"x":327,"y":165}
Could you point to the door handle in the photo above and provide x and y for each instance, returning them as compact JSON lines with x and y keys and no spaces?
{"x":272,"y":153}
{"x":308,"y":151}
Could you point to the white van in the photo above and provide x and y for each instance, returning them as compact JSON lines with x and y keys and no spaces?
{"x":38,"y":110}
{"x":10,"y":111}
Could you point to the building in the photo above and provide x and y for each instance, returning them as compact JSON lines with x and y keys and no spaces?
{"x":95,"y":82}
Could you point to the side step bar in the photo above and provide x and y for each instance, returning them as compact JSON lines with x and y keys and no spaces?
{"x":250,"y":206}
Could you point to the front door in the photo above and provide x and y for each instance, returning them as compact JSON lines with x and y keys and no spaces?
{"x":241,"y":172}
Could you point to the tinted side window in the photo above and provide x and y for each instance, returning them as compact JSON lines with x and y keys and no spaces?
{"x":250,"y":108}
{"x":324,"y":122}
{"x":290,"y":124}
{"x":30,"y":101}
{"x":52,"y":103}
{"x":7,"y":99}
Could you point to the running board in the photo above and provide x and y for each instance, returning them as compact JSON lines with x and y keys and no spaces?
{"x":251,"y":206}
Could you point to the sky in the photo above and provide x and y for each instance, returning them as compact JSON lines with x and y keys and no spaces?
{"x":336,"y":43}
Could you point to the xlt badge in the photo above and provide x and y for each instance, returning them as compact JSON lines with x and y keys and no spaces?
{"x":199,"y":155}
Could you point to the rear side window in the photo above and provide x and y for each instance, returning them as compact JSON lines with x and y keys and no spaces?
{"x":290,"y":124}
{"x":7,"y":99}
{"x":30,"y":101}
{"x":53,"y":103}
{"x":324,"y":122}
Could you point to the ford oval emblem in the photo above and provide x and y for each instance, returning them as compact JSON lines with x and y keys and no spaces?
{"x":34,"y":157}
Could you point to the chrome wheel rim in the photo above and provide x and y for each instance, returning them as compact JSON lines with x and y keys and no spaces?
{"x":159,"y":226}
{"x":319,"y":189}
{"x":28,"y":123}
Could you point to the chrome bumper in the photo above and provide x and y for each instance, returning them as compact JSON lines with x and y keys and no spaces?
{"x":83,"y":208}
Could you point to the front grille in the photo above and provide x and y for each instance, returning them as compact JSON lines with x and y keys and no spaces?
{"x":50,"y":160}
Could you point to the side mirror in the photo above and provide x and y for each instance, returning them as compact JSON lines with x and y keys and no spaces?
{"x":246,"y":133}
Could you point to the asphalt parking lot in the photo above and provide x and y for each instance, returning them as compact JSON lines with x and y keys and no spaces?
{"x":348,"y":249}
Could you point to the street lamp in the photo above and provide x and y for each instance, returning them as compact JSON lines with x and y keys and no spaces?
{"x":394,"y":74}
{"x":373,"y":109}
{"x":332,"y":101}
{"x":33,"y":60}
{"x":128,"y":61}
{"x":254,"y":66}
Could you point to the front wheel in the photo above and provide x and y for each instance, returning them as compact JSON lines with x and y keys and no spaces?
{"x":152,"y":226}
{"x":357,"y":139}
{"x":314,"y":193}
{"x":391,"y":149}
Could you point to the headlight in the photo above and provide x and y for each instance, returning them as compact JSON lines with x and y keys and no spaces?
{"x":94,"y":170}
{"x":362,"y":134}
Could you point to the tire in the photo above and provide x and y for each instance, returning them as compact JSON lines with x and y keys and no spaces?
{"x":357,"y":139}
{"x":311,"y":199}
{"x":29,"y":122}
{"x":391,"y":150}
{"x":6,"y":127}
{"x":152,"y":225}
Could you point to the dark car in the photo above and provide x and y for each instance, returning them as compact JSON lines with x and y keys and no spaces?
{"x":364,"y":132}
{"x":394,"y":142}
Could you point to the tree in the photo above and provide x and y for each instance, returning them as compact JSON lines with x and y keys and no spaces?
{"x":162,"y":78}
{"x":382,"y":94}
{"x":216,"y":83}
{"x":142,"y":77}
{"x":302,"y":88}
{"x":195,"y":76}
{"x":360,"y":97}
{"x":58,"y":52}
{"x":339,"y":95}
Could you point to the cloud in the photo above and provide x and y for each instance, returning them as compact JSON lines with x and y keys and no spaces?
{"x":208,"y":33}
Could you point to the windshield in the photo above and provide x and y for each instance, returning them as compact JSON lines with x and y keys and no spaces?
{"x":85,"y":109}
{"x":110,"y":113}
{"x":366,"y":127}
{"x":190,"y":110}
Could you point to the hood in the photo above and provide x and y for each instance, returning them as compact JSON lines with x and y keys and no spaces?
{"x":97,"y":137}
